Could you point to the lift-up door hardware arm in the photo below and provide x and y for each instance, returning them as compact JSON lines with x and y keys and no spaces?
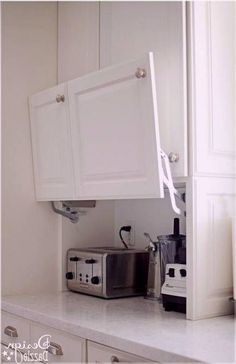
{"x":168,"y":182}
{"x":71,"y":209}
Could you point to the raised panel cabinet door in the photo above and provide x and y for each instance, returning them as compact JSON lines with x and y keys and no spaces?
{"x":51,"y":144}
{"x":212,"y":204}
{"x":129,"y":29}
{"x":212,"y":30}
{"x":115,"y":132}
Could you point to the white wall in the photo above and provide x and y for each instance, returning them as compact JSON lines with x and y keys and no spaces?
{"x":29,"y":228}
{"x":78,"y":35}
{"x":154,"y":216}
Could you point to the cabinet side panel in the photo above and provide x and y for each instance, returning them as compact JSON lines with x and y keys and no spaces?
{"x":213,"y":83}
{"x":210,"y":254}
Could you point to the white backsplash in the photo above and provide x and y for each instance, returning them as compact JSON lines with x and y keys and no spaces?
{"x":154,"y":216}
{"x":101,"y":224}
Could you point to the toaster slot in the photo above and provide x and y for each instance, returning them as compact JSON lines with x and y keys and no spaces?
{"x":127,"y":274}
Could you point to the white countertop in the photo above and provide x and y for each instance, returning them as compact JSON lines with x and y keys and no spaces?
{"x":134,"y":325}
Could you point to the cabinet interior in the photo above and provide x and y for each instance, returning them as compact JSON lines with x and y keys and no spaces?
{"x":154,"y":216}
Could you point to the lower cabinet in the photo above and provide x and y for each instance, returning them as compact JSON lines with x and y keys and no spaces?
{"x":62,"y":347}
{"x":97,"y":353}
{"x":42,"y":344}
{"x":15,"y":337}
{"x":14,"y":329}
{"x":46,"y":344}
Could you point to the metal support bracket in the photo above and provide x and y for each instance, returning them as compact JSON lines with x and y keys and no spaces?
{"x":71,"y":209}
{"x":168,"y":182}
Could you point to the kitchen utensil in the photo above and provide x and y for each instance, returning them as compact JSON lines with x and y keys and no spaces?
{"x":154,"y":271}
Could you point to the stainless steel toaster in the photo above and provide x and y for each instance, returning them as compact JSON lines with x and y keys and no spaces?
{"x":107,"y":272}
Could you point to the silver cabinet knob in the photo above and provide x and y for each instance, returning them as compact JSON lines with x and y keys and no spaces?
{"x":140,"y":73}
{"x":55,"y":349}
{"x":60,"y":98}
{"x":114,"y":359}
{"x":173,"y":157}
{"x":10,"y":331}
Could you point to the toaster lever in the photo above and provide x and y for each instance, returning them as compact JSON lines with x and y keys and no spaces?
{"x":74,"y":259}
{"x":90,"y":261}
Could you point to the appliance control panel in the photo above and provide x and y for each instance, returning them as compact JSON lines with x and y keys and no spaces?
{"x":175,"y":280}
{"x":84,"y":271}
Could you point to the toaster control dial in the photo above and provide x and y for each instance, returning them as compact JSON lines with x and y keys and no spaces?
{"x":183,"y":272}
{"x":95,"y":280}
{"x":69,"y":275}
{"x":171,"y":272}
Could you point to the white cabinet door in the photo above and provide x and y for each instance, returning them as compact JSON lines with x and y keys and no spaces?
{"x":50,"y":128}
{"x":115,"y":132}
{"x":128,"y":30}
{"x":211,"y":205}
{"x":103,"y":354}
{"x":213,"y":87}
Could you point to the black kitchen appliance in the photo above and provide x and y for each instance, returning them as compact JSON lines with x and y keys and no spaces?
{"x":173,"y":251}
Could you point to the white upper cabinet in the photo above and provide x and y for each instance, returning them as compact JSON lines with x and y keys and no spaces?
{"x":52,"y":156}
{"x":115,"y":132}
{"x":128,"y":30}
{"x":101,"y":140}
{"x":212,"y":36}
